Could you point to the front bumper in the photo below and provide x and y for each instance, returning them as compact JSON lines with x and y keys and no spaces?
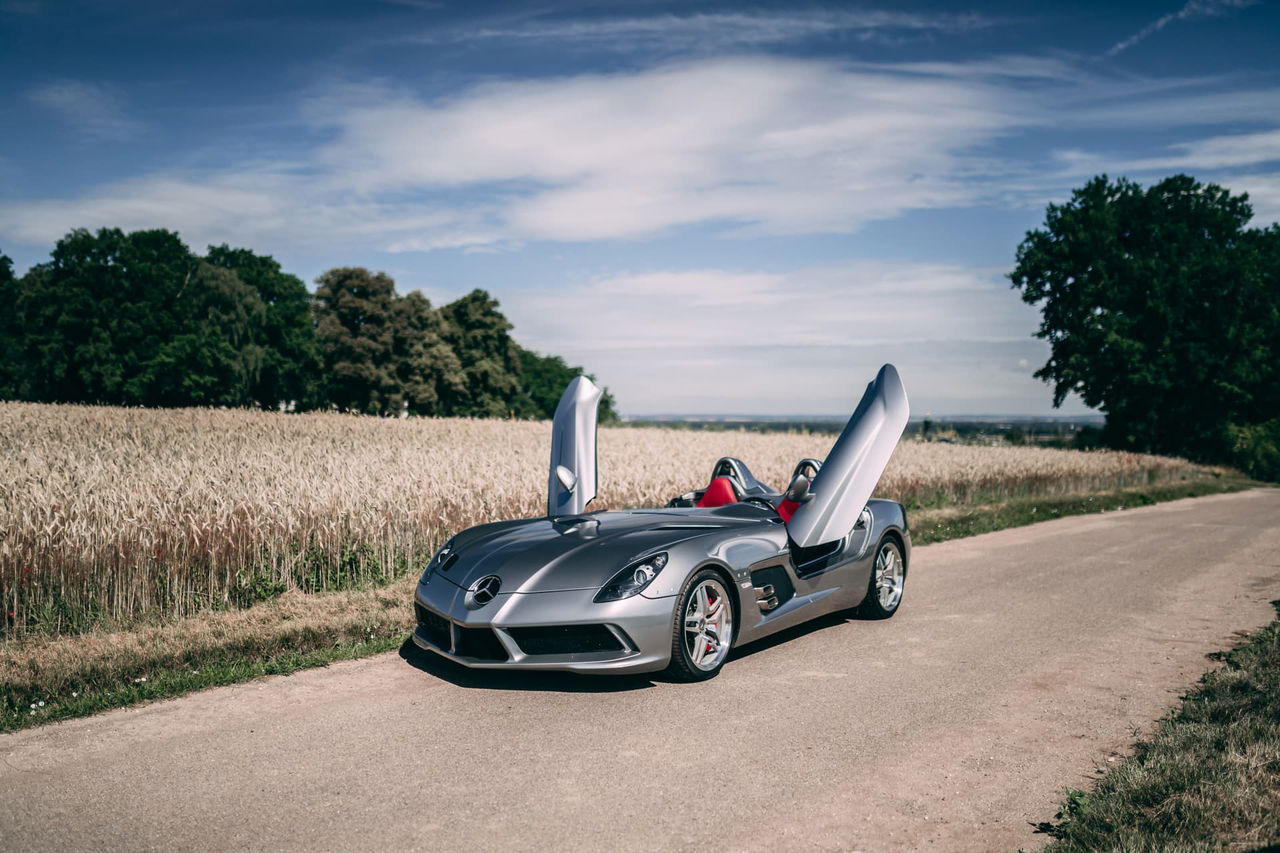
{"x":620,"y":637}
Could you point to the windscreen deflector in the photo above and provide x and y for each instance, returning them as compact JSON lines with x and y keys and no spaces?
{"x":843,"y":485}
{"x":573,"y":481}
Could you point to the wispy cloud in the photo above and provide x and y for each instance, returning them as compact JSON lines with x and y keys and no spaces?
{"x":957,"y":330}
{"x":1212,"y":153}
{"x":90,"y":108}
{"x":718,"y":31}
{"x":754,"y":146}
{"x":771,"y":145}
{"x":1193,"y":10}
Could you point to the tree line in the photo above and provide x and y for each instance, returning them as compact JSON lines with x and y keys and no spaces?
{"x":138,"y":319}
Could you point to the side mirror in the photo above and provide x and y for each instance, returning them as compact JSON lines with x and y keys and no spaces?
{"x":798,"y":491}
{"x":566,"y":478}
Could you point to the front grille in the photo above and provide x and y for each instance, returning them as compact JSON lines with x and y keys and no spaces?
{"x":566,"y":639}
{"x":434,"y":627}
{"x":480,"y":644}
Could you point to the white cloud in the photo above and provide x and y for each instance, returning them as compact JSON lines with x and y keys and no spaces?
{"x":801,"y":341}
{"x":1264,"y":195}
{"x":718,"y":31}
{"x":1193,"y":10}
{"x":785,"y":145}
{"x":91,"y":108}
{"x":746,"y":145}
{"x":1211,"y":153}
{"x":775,"y":145}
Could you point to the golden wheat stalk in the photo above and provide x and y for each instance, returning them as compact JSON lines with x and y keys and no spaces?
{"x":110,"y":516}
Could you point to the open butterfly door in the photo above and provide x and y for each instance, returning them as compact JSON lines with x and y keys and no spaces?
{"x":843,"y":485}
{"x":573,"y":481}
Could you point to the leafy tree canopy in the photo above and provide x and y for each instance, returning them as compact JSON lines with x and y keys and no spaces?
{"x":545,"y":378}
{"x":11,"y":355}
{"x":1161,"y":309}
{"x":138,"y":319}
{"x":354,"y":316}
{"x":479,"y":335}
{"x":290,"y":369}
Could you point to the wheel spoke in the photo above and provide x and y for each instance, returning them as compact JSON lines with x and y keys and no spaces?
{"x":699,"y":649}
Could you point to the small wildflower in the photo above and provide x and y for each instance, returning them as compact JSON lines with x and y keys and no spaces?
{"x":75,"y":693}
{"x":40,"y":704}
{"x":139,"y":680}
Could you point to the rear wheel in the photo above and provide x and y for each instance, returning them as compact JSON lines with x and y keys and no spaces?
{"x":888,"y":577}
{"x":703,"y":631}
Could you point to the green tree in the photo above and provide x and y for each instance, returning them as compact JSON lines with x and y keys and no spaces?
{"x":99,"y":309}
{"x":291,"y":364}
{"x":12,"y":358}
{"x":355,"y":326}
{"x":544,"y":378}
{"x":480,"y":337}
{"x":136,"y":319}
{"x":1160,"y":309}
{"x":427,"y":371}
{"x":215,"y":359}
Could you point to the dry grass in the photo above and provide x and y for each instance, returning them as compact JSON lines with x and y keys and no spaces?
{"x":111,"y":518}
{"x":1209,"y":779}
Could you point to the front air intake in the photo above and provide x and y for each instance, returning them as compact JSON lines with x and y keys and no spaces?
{"x":566,"y":639}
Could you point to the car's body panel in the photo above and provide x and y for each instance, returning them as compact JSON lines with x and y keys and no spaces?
{"x":573,"y":480}
{"x":531,"y":593}
{"x":852,"y":468}
{"x":728,"y":539}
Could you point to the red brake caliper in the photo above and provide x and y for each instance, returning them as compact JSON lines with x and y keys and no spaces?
{"x":710,"y":647}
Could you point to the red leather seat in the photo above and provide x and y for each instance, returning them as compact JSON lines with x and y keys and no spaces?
{"x":721,"y":492}
{"x":786,"y":509}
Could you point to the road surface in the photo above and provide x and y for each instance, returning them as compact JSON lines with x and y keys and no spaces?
{"x":1020,"y":663}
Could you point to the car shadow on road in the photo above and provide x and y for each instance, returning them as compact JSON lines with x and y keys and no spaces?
{"x":785,"y":636}
{"x":497,"y":679}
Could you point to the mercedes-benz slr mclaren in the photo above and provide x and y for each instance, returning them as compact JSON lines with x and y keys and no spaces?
{"x":672,"y":588}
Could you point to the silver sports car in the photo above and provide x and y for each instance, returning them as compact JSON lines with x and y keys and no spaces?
{"x":675,"y":587}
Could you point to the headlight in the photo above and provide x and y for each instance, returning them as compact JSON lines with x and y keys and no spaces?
{"x":633,"y":578}
{"x":440,"y":561}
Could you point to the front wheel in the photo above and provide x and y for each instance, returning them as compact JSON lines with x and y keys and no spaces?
{"x":884,"y":588}
{"x":703,"y":631}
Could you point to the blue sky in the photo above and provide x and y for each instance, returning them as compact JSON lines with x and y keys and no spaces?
{"x":717,"y":208}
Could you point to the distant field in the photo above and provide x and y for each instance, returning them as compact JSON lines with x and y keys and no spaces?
{"x":113,"y":517}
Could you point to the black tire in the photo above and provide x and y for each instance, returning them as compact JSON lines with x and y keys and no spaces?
{"x":683,"y":666}
{"x":872,"y":606}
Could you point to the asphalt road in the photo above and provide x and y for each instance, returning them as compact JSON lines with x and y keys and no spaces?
{"x":1020,"y":662}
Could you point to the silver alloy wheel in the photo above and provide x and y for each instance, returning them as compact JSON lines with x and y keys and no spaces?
{"x":889,"y":576}
{"x":708,"y":625}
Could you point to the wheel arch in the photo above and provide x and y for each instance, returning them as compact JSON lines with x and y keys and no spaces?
{"x":735,"y":595}
{"x":896,"y":535}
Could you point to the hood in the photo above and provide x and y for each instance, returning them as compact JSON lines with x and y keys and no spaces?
{"x":578,"y":552}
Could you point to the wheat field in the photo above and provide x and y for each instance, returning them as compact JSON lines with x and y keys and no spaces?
{"x":111,"y":517}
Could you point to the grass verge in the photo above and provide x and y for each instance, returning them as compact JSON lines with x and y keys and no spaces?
{"x":1209,"y":778}
{"x":48,"y":679}
{"x":938,"y":525}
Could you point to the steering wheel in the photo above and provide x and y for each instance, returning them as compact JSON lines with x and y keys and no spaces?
{"x":756,"y":499}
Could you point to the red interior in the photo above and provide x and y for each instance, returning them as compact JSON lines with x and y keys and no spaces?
{"x":786,"y":509}
{"x":720,"y":493}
